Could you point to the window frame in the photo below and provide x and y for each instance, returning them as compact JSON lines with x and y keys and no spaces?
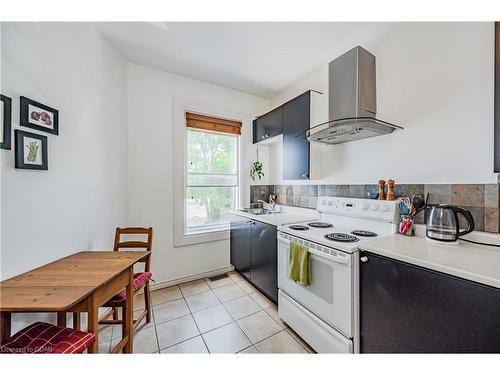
{"x":237,"y":198}
{"x":179,"y":133}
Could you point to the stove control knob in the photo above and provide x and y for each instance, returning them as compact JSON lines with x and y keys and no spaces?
{"x":365,"y":206}
{"x":329,"y":203}
{"x":375,"y":207}
{"x":385,"y":208}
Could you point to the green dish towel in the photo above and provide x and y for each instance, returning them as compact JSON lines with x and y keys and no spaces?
{"x":299,"y":264}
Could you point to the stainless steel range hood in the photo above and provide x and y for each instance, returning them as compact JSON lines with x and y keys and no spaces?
{"x":352,"y":105}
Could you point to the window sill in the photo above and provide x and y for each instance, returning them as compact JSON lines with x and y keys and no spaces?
{"x":202,"y":237}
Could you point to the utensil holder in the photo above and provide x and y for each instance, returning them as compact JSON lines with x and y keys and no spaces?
{"x":406,"y":227}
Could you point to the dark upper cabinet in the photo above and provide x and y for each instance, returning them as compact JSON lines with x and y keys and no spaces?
{"x":268,"y":125}
{"x":254,"y":250}
{"x":296,"y":148}
{"x":409,"y":309}
{"x":301,"y":159}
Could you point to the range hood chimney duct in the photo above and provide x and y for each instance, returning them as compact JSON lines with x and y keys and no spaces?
{"x":352,"y":101}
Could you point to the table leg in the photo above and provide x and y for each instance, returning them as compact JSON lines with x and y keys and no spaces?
{"x":61,"y":319}
{"x":5,"y":329}
{"x":128,"y":313}
{"x":93,"y":323}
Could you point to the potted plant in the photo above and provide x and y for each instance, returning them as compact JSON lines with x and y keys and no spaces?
{"x":256,"y":168}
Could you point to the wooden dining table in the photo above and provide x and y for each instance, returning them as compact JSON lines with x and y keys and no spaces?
{"x":81,"y":282}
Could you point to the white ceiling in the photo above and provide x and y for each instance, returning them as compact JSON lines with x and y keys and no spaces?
{"x":254,"y":57}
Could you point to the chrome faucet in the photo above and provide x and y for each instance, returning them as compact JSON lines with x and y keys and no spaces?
{"x":271,"y":203}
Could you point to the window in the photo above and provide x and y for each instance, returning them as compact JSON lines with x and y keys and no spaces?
{"x":212,"y":172}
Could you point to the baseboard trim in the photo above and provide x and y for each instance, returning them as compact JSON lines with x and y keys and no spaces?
{"x":186,"y":279}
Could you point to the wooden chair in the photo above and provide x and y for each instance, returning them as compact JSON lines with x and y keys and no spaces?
{"x":141,"y":279}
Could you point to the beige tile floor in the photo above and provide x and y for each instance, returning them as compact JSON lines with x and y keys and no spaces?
{"x":223,"y":316}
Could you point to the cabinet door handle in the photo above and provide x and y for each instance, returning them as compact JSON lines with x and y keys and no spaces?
{"x":363,"y":259}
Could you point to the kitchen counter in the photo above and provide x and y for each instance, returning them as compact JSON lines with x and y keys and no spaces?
{"x":286,"y":217}
{"x":469,"y":261}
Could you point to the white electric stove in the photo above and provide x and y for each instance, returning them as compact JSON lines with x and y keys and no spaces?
{"x":325,"y":313}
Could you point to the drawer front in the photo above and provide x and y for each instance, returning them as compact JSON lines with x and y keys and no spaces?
{"x":319,"y":335}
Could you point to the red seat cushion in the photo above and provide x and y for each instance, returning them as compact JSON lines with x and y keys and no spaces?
{"x":140,"y":278}
{"x":45,"y":338}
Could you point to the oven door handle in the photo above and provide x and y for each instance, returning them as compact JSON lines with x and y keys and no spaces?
{"x":330,"y":257}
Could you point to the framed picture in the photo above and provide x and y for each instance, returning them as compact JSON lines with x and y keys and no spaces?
{"x":5,"y":121}
{"x":39,"y":116}
{"x":31,"y":150}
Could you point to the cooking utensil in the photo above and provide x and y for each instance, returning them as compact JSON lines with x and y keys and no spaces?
{"x":418,"y":203}
{"x":402,"y":206}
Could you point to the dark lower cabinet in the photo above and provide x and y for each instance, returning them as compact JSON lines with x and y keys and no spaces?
{"x":264,"y":253}
{"x":254,"y":254}
{"x":409,"y":309}
{"x":240,"y":247}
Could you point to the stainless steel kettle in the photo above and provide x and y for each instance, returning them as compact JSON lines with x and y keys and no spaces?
{"x":442,"y":222}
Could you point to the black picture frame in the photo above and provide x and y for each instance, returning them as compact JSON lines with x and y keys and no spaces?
{"x":21,"y":150}
{"x":25,"y":119}
{"x":6,"y":122}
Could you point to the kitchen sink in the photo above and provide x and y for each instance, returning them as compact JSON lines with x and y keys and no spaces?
{"x":259,"y":211}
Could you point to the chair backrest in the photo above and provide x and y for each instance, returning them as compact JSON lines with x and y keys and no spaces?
{"x":135,"y":244}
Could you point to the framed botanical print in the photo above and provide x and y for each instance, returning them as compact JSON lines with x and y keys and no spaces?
{"x":31,"y":150}
{"x":5,"y":121}
{"x":38,"y":116}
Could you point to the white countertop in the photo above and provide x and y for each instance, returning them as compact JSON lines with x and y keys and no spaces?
{"x":469,"y":261}
{"x":285,"y":217}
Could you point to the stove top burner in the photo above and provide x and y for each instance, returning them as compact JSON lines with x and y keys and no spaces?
{"x":364,"y":233}
{"x":341,"y":237}
{"x":319,"y":224}
{"x":298,"y":227}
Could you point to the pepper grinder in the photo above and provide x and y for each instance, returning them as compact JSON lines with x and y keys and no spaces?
{"x":390,"y":190}
{"x":381,"y":187}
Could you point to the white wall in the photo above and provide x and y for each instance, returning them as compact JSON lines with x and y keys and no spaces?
{"x":77,"y":203}
{"x":150,"y":122}
{"x":434,"y":79}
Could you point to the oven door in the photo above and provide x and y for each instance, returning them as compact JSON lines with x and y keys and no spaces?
{"x":330,"y":295}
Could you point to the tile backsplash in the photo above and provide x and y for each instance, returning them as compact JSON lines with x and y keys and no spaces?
{"x":482,"y":200}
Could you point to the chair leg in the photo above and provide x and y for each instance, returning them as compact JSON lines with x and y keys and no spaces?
{"x":76,"y":321}
{"x":147,"y":302}
{"x":115,"y":313}
{"x":123,"y":321}
{"x":61,"y":319}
